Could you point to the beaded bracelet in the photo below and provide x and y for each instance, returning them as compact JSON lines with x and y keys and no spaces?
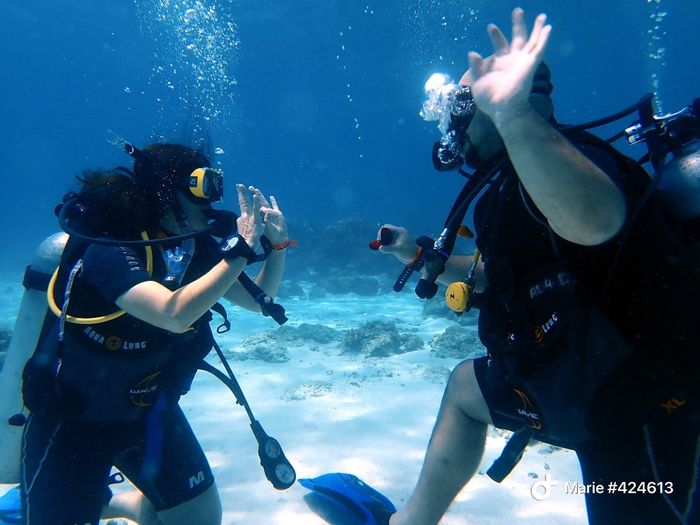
{"x":286,"y":244}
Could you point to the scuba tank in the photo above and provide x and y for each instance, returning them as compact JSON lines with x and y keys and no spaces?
{"x":30,"y":319}
{"x":677,"y":180}
{"x":680,"y":187}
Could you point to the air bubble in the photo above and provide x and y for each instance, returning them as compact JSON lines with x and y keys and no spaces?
{"x":196,"y":51}
{"x":190,"y":16}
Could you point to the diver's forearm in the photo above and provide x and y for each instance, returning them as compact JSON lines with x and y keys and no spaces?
{"x":270,"y":276}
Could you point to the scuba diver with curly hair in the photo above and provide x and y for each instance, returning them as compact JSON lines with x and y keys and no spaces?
{"x":129,"y":327}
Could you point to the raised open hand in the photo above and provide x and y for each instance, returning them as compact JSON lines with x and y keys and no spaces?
{"x":501,"y":82}
{"x":273,"y":219}
{"x":250,"y":223}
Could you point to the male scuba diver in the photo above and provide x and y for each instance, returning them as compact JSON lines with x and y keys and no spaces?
{"x":128,"y":330}
{"x":574,"y":268}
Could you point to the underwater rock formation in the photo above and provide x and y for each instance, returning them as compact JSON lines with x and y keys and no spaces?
{"x":372,"y":339}
{"x":437,"y":307}
{"x":261,"y":347}
{"x":379,"y":339}
{"x":307,"y":390}
{"x":306,"y":332}
{"x":272,"y":346}
{"x":458,"y":343}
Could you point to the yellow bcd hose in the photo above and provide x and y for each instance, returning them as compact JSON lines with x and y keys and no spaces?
{"x":100,"y":318}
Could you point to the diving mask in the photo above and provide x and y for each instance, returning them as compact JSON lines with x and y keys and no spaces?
{"x":203,"y":183}
{"x":453,"y":107}
{"x":207,"y":183}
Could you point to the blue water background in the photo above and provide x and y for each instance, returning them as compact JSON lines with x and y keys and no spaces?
{"x":314,"y":101}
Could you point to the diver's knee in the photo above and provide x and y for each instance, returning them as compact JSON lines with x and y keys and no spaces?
{"x":462,"y":379}
{"x":464,"y":391}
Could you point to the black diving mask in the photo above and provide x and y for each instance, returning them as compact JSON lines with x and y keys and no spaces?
{"x":453,"y":106}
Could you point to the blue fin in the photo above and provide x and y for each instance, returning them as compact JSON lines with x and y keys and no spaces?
{"x":363,"y":504}
{"x":10,"y":511}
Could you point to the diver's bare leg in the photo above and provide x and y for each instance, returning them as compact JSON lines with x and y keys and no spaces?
{"x":204,"y":509}
{"x":454,"y":452}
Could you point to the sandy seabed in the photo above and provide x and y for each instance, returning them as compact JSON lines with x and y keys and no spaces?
{"x":337,"y":412}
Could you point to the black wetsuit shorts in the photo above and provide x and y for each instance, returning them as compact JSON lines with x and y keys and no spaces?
{"x":67,"y":464}
{"x":655,"y":468}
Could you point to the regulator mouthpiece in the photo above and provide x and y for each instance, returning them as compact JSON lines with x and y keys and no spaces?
{"x":453,"y":107}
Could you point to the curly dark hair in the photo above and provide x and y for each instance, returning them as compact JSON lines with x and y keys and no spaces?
{"x":111,"y":203}
{"x":164,"y":169}
{"x":120,"y":204}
